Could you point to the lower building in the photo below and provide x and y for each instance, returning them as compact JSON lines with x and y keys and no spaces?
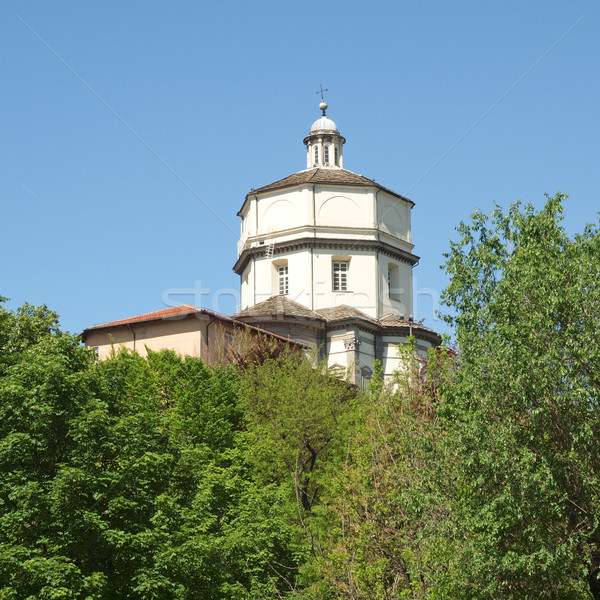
{"x":187,"y":330}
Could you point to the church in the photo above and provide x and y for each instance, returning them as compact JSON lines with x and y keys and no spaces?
{"x":325,"y":259}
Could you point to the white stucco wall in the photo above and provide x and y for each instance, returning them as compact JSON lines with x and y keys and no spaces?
{"x":336,"y":206}
{"x":390,"y":358}
{"x":280,"y":211}
{"x":393,"y":216}
{"x":361,"y":280}
{"x":400,"y":300}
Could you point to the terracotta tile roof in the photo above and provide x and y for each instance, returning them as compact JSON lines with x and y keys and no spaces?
{"x":278,"y":306}
{"x":182,"y":311}
{"x":325,"y":176}
{"x":343,"y":312}
{"x":167,"y":313}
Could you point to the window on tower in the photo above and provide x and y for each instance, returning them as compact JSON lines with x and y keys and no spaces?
{"x":282,"y":272}
{"x":340,"y":276}
{"x":393,"y":282}
{"x":337,"y":157}
{"x":326,"y":155}
{"x":316,"y":155}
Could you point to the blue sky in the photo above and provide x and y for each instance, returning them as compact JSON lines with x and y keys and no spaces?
{"x":131,"y":131}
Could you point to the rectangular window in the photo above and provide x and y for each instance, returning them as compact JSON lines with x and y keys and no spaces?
{"x":340,"y":276}
{"x":337,"y":162}
{"x":393,"y":282}
{"x":326,"y":155}
{"x":283,"y":280}
{"x":316,"y":155}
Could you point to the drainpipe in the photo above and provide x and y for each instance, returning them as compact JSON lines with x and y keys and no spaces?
{"x":132,"y":333}
{"x":211,"y":321}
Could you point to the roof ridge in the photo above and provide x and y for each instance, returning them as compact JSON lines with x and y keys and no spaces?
{"x":148,"y":314}
{"x":351,"y":312}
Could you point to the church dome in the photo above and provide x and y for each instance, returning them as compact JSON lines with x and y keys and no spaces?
{"x":324,"y":123}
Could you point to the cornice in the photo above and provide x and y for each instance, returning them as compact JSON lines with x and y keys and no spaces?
{"x":325,"y":243}
{"x":419,"y":332}
{"x":363,"y":325}
{"x":302,"y":322}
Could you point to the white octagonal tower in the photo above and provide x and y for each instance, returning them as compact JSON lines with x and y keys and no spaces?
{"x":325,"y":257}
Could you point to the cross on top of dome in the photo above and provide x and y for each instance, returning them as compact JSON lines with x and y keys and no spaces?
{"x":323,"y":104}
{"x":323,"y":123}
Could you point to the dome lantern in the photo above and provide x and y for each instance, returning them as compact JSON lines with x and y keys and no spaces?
{"x":324,"y":143}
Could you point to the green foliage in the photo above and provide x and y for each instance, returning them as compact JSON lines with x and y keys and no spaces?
{"x":297,"y":415}
{"x":385,"y":518}
{"x":22,"y":329}
{"x":478,"y":475}
{"x":130,"y":478}
{"x":299,"y":420}
{"x":376,"y":384}
{"x":247,"y":348}
{"x":522,"y":414}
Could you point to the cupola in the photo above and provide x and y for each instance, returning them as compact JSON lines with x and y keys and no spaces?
{"x":324,"y":143}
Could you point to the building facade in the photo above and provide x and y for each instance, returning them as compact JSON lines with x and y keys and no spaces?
{"x":325,"y":256}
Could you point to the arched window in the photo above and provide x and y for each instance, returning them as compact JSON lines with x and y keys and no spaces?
{"x":337,"y":158}
{"x":316,"y":155}
{"x":326,"y":155}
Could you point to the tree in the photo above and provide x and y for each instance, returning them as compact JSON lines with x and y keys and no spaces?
{"x":22,"y":329}
{"x":522,"y":415}
{"x":246,"y":348}
{"x":385,"y":518}
{"x":297,"y":415}
{"x":299,"y":418}
{"x":130,"y":478}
